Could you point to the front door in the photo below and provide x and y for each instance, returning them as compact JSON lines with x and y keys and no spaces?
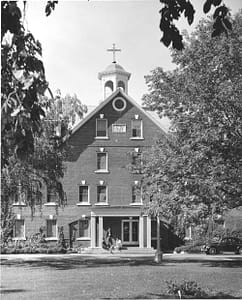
{"x":130,"y":232}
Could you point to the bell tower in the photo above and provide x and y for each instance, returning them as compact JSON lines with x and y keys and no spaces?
{"x":113,"y":77}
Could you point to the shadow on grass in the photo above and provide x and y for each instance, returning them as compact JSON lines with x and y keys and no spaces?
{"x":67,"y":263}
{"x":11,"y":291}
{"x":219,"y":295}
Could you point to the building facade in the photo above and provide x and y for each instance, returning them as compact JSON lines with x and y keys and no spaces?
{"x":102,"y":189}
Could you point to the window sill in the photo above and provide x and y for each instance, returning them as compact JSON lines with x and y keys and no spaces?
{"x":83,"y":204}
{"x":101,"y":137}
{"x":83,"y":239}
{"x":19,"y":239}
{"x":101,"y":204}
{"x":136,"y":204}
{"x":136,"y":138}
{"x":51,"y":239}
{"x":102,"y":171}
{"x":19,"y":204}
{"x":51,"y":204}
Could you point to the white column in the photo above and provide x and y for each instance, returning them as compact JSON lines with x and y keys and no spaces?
{"x":148,"y":232}
{"x":93,"y":231}
{"x":100,"y":234}
{"x":141,"y":232}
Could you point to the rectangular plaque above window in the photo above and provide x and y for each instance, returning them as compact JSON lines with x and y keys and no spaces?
{"x":119,"y":128}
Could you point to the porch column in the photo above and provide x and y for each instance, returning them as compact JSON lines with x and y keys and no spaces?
{"x":93,"y":231}
{"x":100,"y":234}
{"x":141,"y":232}
{"x":148,"y":232}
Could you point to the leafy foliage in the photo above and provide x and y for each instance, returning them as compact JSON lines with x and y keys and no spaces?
{"x":197,"y":172}
{"x":173,"y":9}
{"x":186,"y":289}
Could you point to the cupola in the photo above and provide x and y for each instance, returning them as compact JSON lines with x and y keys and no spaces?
{"x":113,"y":77}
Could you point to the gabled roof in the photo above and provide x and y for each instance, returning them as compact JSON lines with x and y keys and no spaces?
{"x":156,"y":120}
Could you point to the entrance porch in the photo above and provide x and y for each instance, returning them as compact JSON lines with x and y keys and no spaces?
{"x":127,"y":224}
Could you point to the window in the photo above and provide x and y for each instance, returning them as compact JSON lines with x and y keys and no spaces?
{"x":119,"y":104}
{"x":101,"y":128}
{"x":83,"y":194}
{"x":51,"y":229}
{"x":136,"y":129}
{"x":19,"y":231}
{"x":136,"y":163}
{"x":101,"y":194}
{"x":136,"y":194}
{"x":51,"y":195}
{"x":102,"y":161}
{"x":119,"y":128}
{"x":83,"y":228}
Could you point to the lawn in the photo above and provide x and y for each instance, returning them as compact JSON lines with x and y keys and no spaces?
{"x":77,"y":277}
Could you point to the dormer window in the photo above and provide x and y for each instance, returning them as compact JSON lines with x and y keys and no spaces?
{"x":136,"y":129}
{"x":101,"y":128}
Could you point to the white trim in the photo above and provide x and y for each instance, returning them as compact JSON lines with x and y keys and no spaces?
{"x":102,"y":204}
{"x":141,"y":130}
{"x":102,"y":170}
{"x":106,"y":202}
{"x":136,"y":138}
{"x":50,"y":204}
{"x":52,"y":238}
{"x":20,"y":238}
{"x":103,"y":103}
{"x":83,"y":239}
{"x":19,"y":204}
{"x":130,"y":242}
{"x":114,"y":106}
{"x":136,"y":204}
{"x":117,"y":124}
{"x":100,"y":231}
{"x":83,"y":204}
{"x":88,"y":196}
{"x":101,"y":137}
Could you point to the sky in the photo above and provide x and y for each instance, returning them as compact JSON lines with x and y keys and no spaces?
{"x":77,"y":34}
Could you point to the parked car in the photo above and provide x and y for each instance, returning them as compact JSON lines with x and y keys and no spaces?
{"x":227,"y":244}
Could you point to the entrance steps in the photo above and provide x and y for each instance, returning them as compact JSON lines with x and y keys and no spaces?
{"x":124,"y":250}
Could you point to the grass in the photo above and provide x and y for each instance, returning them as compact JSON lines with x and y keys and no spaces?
{"x":76,"y":277}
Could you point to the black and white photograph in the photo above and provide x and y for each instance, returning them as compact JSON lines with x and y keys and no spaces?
{"x":121,"y":149}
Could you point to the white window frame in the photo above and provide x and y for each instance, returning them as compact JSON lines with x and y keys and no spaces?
{"x":141,"y":200}
{"x":141,"y":137}
{"x":50,"y":203}
{"x":88,"y":195}
{"x":15,"y":238}
{"x":102,"y":203}
{"x":102,"y":137}
{"x":52,"y":238}
{"x":113,"y":125}
{"x":102,"y":170}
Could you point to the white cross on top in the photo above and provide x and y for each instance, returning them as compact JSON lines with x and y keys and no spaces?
{"x":114,"y":50}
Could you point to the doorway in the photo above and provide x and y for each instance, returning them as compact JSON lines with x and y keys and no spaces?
{"x":130,"y":232}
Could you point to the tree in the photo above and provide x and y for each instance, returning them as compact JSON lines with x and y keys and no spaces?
{"x":173,"y":9}
{"x":197,"y":172}
{"x":23,"y":180}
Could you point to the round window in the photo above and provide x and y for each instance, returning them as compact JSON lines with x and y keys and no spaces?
{"x":119,"y":104}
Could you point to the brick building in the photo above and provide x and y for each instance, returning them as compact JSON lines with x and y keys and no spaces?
{"x":102,"y":191}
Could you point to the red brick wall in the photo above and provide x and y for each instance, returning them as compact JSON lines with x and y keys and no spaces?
{"x":82,"y":148}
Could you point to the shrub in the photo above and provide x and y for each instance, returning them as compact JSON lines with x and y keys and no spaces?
{"x":186,"y":289}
